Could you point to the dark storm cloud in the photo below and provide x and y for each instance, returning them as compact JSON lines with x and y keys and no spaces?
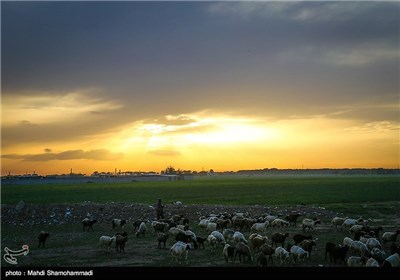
{"x":162,"y":58}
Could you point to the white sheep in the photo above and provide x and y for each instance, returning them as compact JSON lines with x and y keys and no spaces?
{"x":178,"y":250}
{"x":347,"y":241}
{"x":181,"y":227}
{"x":356,"y":228}
{"x":390,"y":236}
{"x":192,"y":235}
{"x":354,"y":261}
{"x":261,"y":227}
{"x":239,"y":237}
{"x":211,"y":227}
{"x":309,"y":223}
{"x":279,"y":223}
{"x":373,"y":243}
{"x":337,"y":221}
{"x":220,"y":238}
{"x":203,"y":223}
{"x":228,"y":234}
{"x":142,"y":230}
{"x":270,"y":218}
{"x":359,"y":247}
{"x":174,"y":231}
{"x":298,"y":253}
{"x":393,"y":260}
{"x":212,"y":241}
{"x":378,"y":254}
{"x":371,"y":262}
{"x":281,"y":254}
{"x":348,"y":223}
{"x":106,"y":241}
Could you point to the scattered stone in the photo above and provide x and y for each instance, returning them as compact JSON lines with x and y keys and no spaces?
{"x":20,"y":206}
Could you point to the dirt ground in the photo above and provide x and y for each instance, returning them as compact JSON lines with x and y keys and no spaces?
{"x":69,"y":245}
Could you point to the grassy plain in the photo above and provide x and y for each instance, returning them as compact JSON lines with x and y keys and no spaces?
{"x":274,"y":190}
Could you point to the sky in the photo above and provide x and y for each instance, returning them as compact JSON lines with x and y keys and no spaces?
{"x":139,"y":86}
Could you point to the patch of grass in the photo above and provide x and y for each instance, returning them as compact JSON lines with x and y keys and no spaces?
{"x":282,"y":190}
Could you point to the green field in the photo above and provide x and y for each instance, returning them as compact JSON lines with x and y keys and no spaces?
{"x":283,"y":190}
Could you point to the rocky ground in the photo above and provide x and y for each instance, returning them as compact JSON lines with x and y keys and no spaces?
{"x":25,"y":214}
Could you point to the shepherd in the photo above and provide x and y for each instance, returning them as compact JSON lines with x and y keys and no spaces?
{"x":159,"y":209}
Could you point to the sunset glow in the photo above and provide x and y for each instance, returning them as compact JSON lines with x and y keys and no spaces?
{"x":202,"y":85}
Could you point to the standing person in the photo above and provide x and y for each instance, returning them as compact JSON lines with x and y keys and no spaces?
{"x":159,"y":209}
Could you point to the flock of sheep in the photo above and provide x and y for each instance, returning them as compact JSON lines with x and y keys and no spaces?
{"x":242,"y":237}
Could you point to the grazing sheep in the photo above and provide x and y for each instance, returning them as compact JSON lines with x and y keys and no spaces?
{"x":355,"y":229}
{"x":300,"y":237}
{"x":298,"y":253}
{"x":378,"y":255}
{"x":354,"y":261}
{"x":347,"y":241}
{"x":203,"y":223}
{"x":329,"y":250}
{"x":211,"y":227}
{"x":107,"y":241}
{"x":220,"y":238}
{"x":279,"y":223}
{"x":118,"y":223}
{"x":228,"y":252}
{"x":120,"y":243}
{"x":239,"y":237}
{"x":390,"y":236}
{"x":238,"y":222}
{"x":162,"y":238}
{"x":337,"y":221}
{"x":371,"y":262}
{"x":228,"y":234}
{"x":142,"y":230}
{"x":181,"y":227}
{"x":87,"y":223}
{"x":174,"y":231}
{"x":178,"y":250}
{"x":359,"y":247}
{"x":270,"y":218}
{"x":281,"y":254}
{"x":258,"y":241}
{"x":159,"y":226}
{"x":309,"y":224}
{"x":307,"y":245}
{"x":278,"y":237}
{"x":292,"y":218}
{"x":212,"y":241}
{"x":339,"y":253}
{"x":223,"y":224}
{"x":43,"y":235}
{"x":268,"y":251}
{"x":373,"y":243}
{"x":136,"y":224}
{"x":243,"y":249}
{"x":260,"y":227}
{"x":348,"y":223}
{"x":200,"y":241}
{"x":392,"y":261}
